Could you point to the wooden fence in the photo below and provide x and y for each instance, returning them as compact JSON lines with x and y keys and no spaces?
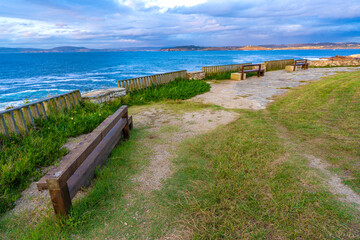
{"x":78,"y":167}
{"x":20,"y":119}
{"x":210,"y":70}
{"x":278,"y":64}
{"x":144,"y":82}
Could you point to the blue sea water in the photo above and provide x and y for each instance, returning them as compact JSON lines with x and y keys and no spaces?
{"x":31,"y":76}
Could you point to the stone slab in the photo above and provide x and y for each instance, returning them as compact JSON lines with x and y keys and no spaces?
{"x":198,"y":75}
{"x":104,"y":95}
{"x":289,"y":68}
{"x":237,"y":76}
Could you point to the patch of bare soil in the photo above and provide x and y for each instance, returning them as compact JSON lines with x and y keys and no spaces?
{"x":224,"y":94}
{"x":173,"y":129}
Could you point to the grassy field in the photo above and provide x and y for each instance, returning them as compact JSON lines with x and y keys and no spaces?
{"x":247,"y":180}
{"x":23,"y":157}
{"x":226,"y":76}
{"x":324,"y":118}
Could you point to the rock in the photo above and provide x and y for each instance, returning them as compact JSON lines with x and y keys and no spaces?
{"x":237,"y":76}
{"x":335,"y":63}
{"x":198,"y":75}
{"x":290,"y":68}
{"x":104,"y":95}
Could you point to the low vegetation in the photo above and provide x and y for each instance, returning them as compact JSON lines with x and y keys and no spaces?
{"x":225,"y":76}
{"x":176,"y":90}
{"x":23,"y":157}
{"x":218,"y":76}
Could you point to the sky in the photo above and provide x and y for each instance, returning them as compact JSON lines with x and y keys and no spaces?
{"x":165,"y":23}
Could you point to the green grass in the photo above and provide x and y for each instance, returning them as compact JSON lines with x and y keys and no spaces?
{"x":241,"y":182}
{"x":176,"y":90}
{"x":219,"y":76}
{"x":324,"y":116}
{"x":225,"y":76}
{"x":23,"y":157}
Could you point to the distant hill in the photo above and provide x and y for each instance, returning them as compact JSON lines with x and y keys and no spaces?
{"x":346,"y":45}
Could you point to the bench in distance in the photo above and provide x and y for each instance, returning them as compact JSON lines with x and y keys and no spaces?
{"x":260,"y":72}
{"x":303,"y":63}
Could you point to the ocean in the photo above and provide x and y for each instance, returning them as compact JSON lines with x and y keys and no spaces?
{"x":31,"y":76}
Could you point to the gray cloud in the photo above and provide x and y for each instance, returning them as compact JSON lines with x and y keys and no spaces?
{"x":113,"y":23}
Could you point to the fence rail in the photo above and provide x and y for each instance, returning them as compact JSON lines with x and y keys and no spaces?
{"x":20,"y":119}
{"x":222,"y":68}
{"x":144,"y":82}
{"x":278,"y":64}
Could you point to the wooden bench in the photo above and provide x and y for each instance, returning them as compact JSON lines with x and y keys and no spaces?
{"x":303,"y":63}
{"x":260,"y":72}
{"x":77,"y":168}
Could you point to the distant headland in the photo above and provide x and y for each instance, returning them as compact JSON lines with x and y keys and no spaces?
{"x":299,"y":46}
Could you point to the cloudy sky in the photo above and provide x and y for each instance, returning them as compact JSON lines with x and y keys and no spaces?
{"x":161,"y":23}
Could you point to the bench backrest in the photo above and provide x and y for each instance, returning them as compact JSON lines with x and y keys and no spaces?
{"x":251,"y":65}
{"x":78,"y":166}
{"x":302,"y":61}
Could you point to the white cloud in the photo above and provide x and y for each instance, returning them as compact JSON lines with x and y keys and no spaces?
{"x":163,"y":4}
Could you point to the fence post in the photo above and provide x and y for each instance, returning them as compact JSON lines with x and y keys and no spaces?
{"x":20,"y":120}
{"x":28,"y":116}
{"x":3,"y":127}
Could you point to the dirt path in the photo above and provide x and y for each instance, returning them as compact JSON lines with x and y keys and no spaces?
{"x":333,"y":181}
{"x":173,"y":129}
{"x":255,"y":93}
{"x":330,"y":179}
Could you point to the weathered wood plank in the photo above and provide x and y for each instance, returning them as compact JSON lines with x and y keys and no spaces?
{"x":10,"y":121}
{"x":60,"y":196}
{"x":75,"y":158}
{"x":28,"y":116}
{"x":35,"y":111}
{"x":3,"y":127}
{"x":20,"y":120}
{"x":86,"y":170}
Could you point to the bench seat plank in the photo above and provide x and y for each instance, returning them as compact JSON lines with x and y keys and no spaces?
{"x":78,"y":155}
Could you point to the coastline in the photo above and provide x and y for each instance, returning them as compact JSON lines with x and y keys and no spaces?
{"x":51,"y":74}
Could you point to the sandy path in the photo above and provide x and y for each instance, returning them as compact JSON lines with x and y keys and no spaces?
{"x":182,"y":126}
{"x":255,"y":93}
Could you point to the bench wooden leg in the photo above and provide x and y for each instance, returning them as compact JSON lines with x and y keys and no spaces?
{"x":126,"y":130}
{"x":60,"y":196}
{"x":242,"y":76}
